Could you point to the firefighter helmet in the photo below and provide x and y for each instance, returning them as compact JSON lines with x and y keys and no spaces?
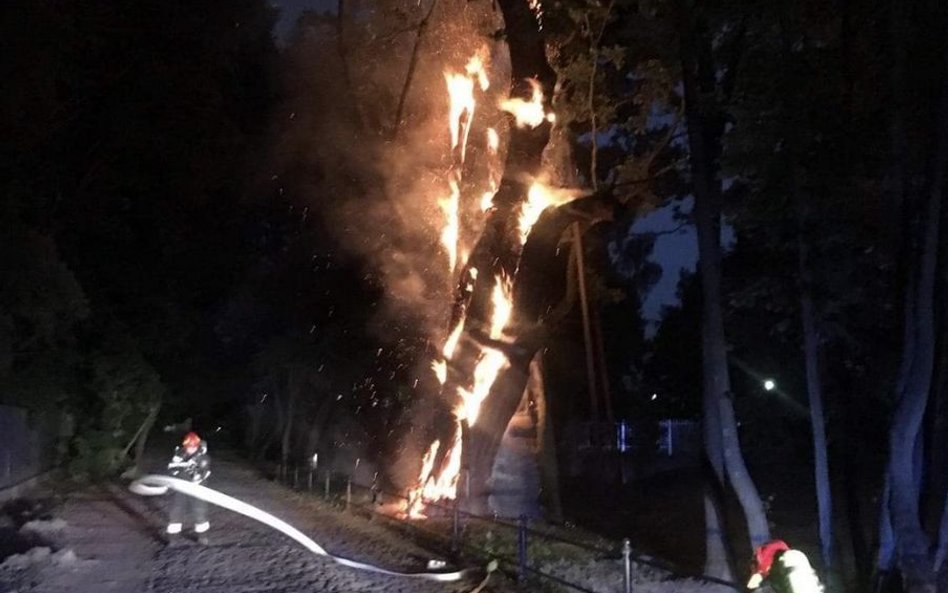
{"x":191,"y":441}
{"x":764,"y":557}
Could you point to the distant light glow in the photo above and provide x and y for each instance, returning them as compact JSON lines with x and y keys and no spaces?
{"x":654,"y":396}
{"x":769,"y":385}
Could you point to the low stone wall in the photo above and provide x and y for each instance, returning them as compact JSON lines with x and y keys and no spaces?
{"x":26,"y":446}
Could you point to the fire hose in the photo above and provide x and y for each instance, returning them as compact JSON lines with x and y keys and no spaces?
{"x":156,"y":485}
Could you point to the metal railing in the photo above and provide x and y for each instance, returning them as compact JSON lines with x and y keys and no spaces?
{"x":516,"y":565}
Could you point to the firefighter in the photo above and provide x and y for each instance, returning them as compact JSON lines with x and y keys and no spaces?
{"x":192,"y":463}
{"x":786,"y":570}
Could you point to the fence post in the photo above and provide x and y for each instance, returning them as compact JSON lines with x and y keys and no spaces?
{"x":326,"y":490}
{"x":309,"y":480}
{"x":456,"y":526}
{"x":348,"y":492}
{"x":375,"y":493}
{"x":296,"y":477}
{"x":522,"y":549}
{"x":313,"y":470}
{"x":627,"y":565}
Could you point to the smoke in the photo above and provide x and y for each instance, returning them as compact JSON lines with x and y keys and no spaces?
{"x":377,"y":184}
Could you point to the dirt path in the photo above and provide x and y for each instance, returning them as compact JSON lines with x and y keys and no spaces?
{"x":112,"y":541}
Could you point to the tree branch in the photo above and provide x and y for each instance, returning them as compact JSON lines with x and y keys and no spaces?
{"x":593,"y":124}
{"x":412,"y":63}
{"x":344,"y":59}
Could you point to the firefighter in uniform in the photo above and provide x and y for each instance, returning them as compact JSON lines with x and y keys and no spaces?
{"x":192,"y":463}
{"x":786,"y":570}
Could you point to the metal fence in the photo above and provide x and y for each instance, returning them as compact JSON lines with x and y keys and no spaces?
{"x":519,"y":560}
{"x":675,"y":437}
{"x":679,"y":437}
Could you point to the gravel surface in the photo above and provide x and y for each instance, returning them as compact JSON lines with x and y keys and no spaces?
{"x":106,"y":539}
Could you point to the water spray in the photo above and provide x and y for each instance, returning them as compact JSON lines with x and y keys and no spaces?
{"x":157,"y":485}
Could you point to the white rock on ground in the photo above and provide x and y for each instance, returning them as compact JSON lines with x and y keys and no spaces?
{"x":43,"y":527}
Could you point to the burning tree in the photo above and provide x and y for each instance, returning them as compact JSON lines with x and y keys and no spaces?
{"x":502,"y":308}
{"x":454,"y":215}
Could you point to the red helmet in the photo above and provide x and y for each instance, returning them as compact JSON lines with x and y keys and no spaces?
{"x":191,"y":441}
{"x":764,"y":559}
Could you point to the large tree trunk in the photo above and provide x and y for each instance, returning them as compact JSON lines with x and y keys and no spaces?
{"x":814,"y":387}
{"x":497,"y":251}
{"x":915,"y":561}
{"x":896,"y":189}
{"x":537,"y":310}
{"x":546,"y":443}
{"x":703,"y":138}
{"x":911,"y":541}
{"x":522,"y":165}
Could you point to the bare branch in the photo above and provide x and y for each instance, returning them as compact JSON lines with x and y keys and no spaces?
{"x":593,"y":124}
{"x":650,"y":178}
{"x":344,"y":60}
{"x":412,"y":63}
{"x":671,"y":231}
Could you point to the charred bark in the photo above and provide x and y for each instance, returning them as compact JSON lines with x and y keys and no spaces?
{"x":546,"y":444}
{"x":544,"y":293}
{"x":497,"y":251}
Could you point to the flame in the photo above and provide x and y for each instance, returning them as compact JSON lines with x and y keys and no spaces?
{"x":444,"y":486}
{"x":441,"y":483}
{"x":460,"y":115}
{"x":537,"y":7}
{"x":450,"y":206}
{"x":493,"y":141}
{"x":440,"y":368}
{"x":451,"y":343}
{"x":528,"y":113}
{"x":415,"y":504}
{"x":503,"y":307}
{"x":492,"y":361}
{"x":475,"y":69}
{"x":493,"y":175}
{"x":461,"y":112}
{"x":487,"y":200}
{"x":539,"y":198}
{"x":462,"y":102}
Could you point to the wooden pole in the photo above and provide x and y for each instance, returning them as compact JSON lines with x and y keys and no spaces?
{"x":587,"y":330}
{"x":603,"y":366}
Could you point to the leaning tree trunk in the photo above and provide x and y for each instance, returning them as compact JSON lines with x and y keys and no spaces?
{"x":546,"y":444}
{"x":523,"y":163}
{"x":716,"y":558}
{"x":814,"y":388}
{"x":536,"y":311}
{"x":912,"y":543}
{"x":497,"y":251}
{"x":143,"y":436}
{"x":707,"y":213}
{"x":940,"y":463}
{"x":896,"y":189}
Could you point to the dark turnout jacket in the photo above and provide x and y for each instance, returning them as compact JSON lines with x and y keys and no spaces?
{"x":195,"y":467}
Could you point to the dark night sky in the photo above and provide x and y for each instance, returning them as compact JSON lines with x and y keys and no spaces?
{"x":290,"y":10}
